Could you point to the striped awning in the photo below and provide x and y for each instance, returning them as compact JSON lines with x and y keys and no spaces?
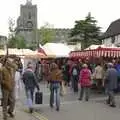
{"x":100,"y":52}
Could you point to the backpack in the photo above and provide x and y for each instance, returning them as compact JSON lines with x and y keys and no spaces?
{"x":74,"y":72}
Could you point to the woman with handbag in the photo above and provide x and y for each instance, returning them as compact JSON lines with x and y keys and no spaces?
{"x":55,"y":82}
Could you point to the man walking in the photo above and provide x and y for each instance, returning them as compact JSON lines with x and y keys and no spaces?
{"x":7,"y":87}
{"x":98,"y":76}
{"x":111,"y":84}
{"x":30,"y":82}
{"x":75,"y":77}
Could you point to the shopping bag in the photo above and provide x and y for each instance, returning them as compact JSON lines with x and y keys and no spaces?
{"x":38,"y":98}
{"x":62,"y":90}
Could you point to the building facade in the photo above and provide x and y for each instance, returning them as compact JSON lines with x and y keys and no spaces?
{"x":28,"y":29}
{"x":112,"y":36}
{"x":27,"y":23}
{"x":59,"y":35}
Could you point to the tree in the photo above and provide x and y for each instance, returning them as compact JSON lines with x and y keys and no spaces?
{"x":13,"y":40}
{"x":16,"y":42}
{"x":47,"y":34}
{"x":20,"y":42}
{"x":86,"y":31}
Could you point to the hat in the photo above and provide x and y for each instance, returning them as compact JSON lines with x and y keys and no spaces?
{"x":85,"y":65}
{"x":110,"y":64}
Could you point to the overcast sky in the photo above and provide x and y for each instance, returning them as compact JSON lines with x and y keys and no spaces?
{"x":62,"y":13}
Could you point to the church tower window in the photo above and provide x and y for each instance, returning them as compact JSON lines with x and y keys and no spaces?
{"x":29,"y":15}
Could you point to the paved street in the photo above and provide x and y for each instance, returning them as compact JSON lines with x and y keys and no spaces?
{"x":71,"y":108}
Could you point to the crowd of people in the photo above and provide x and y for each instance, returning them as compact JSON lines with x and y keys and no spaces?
{"x":101,"y":76}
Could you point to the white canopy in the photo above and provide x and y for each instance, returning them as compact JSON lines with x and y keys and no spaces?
{"x":91,"y":47}
{"x":56,"y":49}
{"x":19,"y":52}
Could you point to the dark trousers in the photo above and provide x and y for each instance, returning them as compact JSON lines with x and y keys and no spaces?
{"x":67,"y":79}
{"x":99,"y":85}
{"x":8,"y":100}
{"x":85,"y":90}
{"x":111,"y":98}
{"x":75,"y":83}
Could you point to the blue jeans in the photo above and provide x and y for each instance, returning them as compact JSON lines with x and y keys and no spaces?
{"x":29,"y":95}
{"x":55,"y":88}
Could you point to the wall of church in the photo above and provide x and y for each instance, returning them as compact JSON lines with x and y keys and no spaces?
{"x":28,"y":13}
{"x":29,"y":37}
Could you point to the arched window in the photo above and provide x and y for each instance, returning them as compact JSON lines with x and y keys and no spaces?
{"x":29,"y":15}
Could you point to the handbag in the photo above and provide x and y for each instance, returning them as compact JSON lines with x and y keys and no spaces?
{"x":38,"y":97}
{"x":62,"y":90}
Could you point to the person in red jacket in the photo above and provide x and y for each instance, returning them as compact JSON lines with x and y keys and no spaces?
{"x":85,"y":82}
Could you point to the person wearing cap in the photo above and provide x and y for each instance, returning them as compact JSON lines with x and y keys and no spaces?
{"x":110,"y":82}
{"x":30,"y":82}
{"x":85,"y":82}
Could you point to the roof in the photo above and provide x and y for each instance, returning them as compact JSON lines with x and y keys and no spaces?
{"x":57,"y":49}
{"x":113,"y":29}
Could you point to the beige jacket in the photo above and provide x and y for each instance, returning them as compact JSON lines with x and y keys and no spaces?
{"x":98,"y":74}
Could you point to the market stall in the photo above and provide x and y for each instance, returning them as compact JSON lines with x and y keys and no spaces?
{"x":56,"y":50}
{"x":99,"y":52}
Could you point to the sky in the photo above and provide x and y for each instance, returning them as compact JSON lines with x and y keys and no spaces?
{"x":62,"y":13}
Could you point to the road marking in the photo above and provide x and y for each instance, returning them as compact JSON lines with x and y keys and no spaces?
{"x":39,"y":116}
{"x":36,"y":115}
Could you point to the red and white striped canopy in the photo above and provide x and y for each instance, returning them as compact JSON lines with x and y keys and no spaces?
{"x":100,"y":52}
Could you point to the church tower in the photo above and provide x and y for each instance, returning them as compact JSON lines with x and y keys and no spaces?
{"x":27,"y":23}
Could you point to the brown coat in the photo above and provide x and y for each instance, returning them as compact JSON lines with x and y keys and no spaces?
{"x":56,"y":75}
{"x":7,"y":74}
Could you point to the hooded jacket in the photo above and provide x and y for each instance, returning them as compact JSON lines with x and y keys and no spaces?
{"x":29,"y":79}
{"x":85,"y":77}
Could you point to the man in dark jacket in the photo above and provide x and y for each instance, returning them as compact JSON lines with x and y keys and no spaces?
{"x":75,"y":76}
{"x":111,"y":84}
{"x":30,"y":82}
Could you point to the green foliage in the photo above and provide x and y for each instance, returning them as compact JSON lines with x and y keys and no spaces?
{"x":12,"y":42}
{"x":47,"y":34}
{"x":87,"y":31}
{"x":16,"y":42}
